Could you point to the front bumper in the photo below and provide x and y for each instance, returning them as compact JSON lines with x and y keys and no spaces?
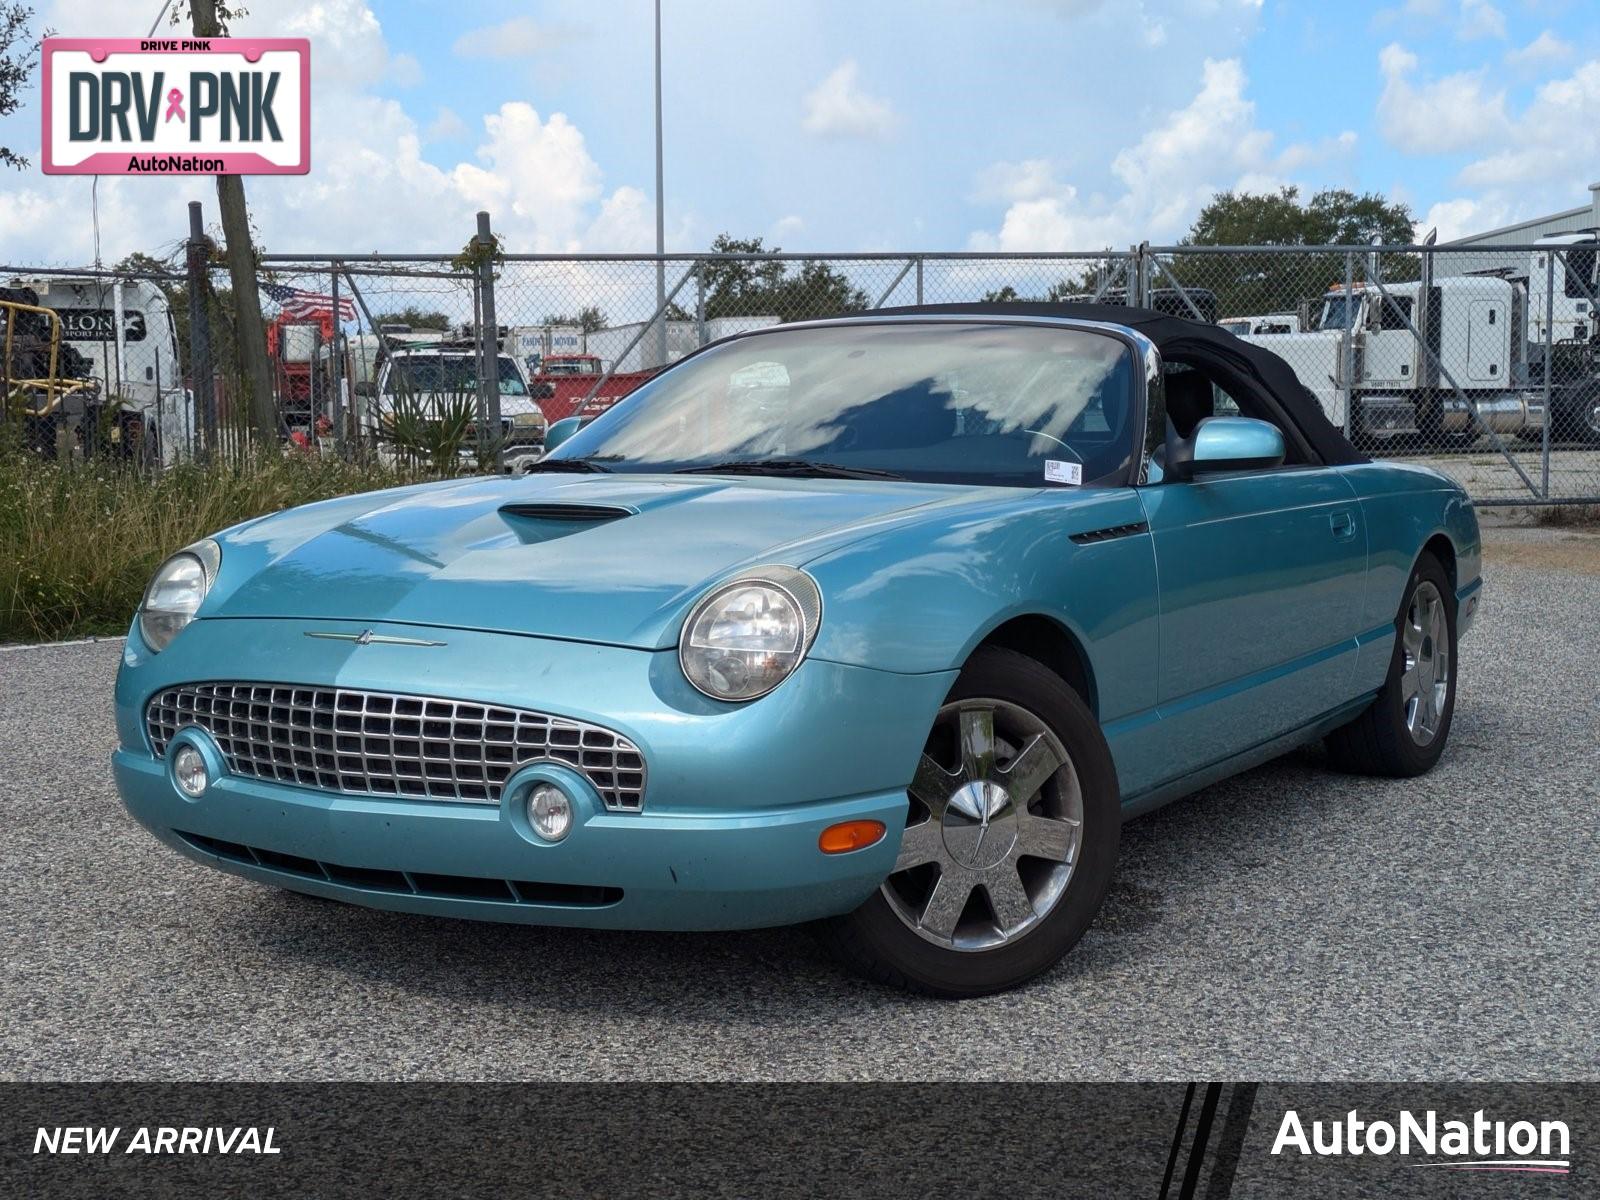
{"x":736,"y":798}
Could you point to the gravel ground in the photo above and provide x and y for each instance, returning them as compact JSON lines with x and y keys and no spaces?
{"x":1287,"y":924}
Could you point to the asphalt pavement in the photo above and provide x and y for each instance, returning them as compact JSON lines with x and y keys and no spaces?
{"x":1289,"y":924}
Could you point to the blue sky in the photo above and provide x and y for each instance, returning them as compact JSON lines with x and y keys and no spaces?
{"x":939,"y":124}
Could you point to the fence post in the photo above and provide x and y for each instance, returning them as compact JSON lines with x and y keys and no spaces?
{"x":919,"y":279}
{"x":1349,"y":355}
{"x":700,"y":302}
{"x":489,"y":342}
{"x":202,"y":382}
{"x":336,"y":358}
{"x":1549,"y":356}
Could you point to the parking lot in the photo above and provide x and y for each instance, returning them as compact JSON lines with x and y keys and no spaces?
{"x":1289,"y":924}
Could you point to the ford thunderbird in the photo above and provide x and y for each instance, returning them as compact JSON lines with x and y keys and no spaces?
{"x":886,"y":623}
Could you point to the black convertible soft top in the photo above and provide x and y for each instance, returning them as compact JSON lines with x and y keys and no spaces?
{"x":1179,"y":338}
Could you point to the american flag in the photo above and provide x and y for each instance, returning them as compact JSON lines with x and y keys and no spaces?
{"x":297,"y":302}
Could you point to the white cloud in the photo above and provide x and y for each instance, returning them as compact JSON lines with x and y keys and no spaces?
{"x":1538,"y":160}
{"x":446,"y":126}
{"x":1453,"y":113}
{"x":1480,"y":19}
{"x":1554,"y":138}
{"x":1411,"y":12}
{"x":519,"y":37}
{"x":405,"y":70}
{"x":1209,"y":145}
{"x":1462,"y":216}
{"x":1545,"y":50}
{"x":786,"y":227}
{"x":538,"y":179}
{"x":837,"y":107}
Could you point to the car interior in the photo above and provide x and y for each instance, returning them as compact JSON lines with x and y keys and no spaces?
{"x":1197,"y":388}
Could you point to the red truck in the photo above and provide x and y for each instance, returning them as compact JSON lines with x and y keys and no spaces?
{"x":559,"y":382}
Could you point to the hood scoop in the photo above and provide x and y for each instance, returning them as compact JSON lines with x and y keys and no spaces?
{"x":557,"y":511}
{"x":545,"y":521}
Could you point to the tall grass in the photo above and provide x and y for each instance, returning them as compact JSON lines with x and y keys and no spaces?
{"x":79,"y":541}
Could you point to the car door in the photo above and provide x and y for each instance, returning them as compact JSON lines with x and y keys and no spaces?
{"x":1261,"y":577}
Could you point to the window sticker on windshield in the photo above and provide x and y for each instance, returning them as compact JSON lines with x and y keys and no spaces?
{"x":1056,"y":471}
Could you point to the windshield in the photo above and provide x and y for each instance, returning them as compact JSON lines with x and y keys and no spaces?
{"x":448,"y":373}
{"x":1009,"y":405}
{"x":1339,"y":310}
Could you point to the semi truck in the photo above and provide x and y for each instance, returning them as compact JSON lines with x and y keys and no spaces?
{"x":1436,"y":362}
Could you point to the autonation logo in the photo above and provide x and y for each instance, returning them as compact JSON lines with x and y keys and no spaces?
{"x":1476,"y":1145}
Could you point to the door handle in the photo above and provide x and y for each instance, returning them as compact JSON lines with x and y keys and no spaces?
{"x":1343,"y":524}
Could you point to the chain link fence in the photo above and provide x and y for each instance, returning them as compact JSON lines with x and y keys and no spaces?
{"x":1482,"y":363}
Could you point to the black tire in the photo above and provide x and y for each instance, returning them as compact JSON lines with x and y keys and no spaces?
{"x":876,"y":942}
{"x":1380,"y":741}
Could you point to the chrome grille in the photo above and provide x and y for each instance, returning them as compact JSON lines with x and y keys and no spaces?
{"x":388,"y":744}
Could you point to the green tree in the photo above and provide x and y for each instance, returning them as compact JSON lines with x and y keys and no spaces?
{"x":1059,"y":291}
{"x":417,"y":318}
{"x":760,"y":287}
{"x":19,"y":51}
{"x":1252,"y":284}
{"x":589,"y":319}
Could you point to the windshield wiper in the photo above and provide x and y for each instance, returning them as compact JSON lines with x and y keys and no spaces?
{"x":576,"y":465}
{"x":794,"y":468}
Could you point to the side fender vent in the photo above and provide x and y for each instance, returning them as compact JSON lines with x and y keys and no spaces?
{"x":1091,"y":536}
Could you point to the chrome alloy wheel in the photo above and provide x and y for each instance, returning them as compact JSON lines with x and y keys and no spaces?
{"x":1425,"y":671}
{"x":995,"y":828}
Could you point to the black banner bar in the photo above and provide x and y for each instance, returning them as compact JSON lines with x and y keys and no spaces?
{"x":1205,"y":1141}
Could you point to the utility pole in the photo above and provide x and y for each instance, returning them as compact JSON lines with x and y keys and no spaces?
{"x":250,"y":330}
{"x":661,"y":218}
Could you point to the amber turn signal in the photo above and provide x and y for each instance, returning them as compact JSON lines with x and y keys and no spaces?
{"x":850,"y":835}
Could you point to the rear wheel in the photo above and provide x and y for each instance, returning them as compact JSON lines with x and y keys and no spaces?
{"x":1404,"y":732}
{"x":1010,"y":840}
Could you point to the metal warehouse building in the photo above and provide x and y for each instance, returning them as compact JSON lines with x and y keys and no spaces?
{"x":1572,"y":220}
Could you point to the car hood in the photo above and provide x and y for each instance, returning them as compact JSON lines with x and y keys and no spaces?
{"x":612,"y":559}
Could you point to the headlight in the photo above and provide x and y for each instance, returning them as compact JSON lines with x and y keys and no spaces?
{"x":175,"y":594}
{"x":747,"y":635}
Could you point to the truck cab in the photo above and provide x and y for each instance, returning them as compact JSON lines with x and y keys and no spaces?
{"x":442,"y":376}
{"x":1567,"y":301}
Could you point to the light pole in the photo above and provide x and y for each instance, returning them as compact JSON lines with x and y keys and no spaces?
{"x":661,"y":221}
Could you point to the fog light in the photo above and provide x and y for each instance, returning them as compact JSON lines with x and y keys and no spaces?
{"x":549,"y":812}
{"x":189,"y":769}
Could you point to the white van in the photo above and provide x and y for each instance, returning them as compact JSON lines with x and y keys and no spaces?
{"x":124,"y":328}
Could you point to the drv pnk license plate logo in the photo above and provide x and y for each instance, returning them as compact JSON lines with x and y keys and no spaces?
{"x":177,"y":106}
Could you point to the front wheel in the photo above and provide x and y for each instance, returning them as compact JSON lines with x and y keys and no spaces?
{"x":1403,"y":733}
{"x":1010,"y":840}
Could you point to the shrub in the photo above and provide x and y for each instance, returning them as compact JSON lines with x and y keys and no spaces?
{"x":79,"y":541}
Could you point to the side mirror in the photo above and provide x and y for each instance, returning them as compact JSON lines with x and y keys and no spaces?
{"x":1226,"y":444}
{"x":560,"y":432}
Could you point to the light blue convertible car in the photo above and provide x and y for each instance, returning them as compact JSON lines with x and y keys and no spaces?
{"x":886,"y":622}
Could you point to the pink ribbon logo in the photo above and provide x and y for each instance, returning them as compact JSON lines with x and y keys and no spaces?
{"x":175,"y":105}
